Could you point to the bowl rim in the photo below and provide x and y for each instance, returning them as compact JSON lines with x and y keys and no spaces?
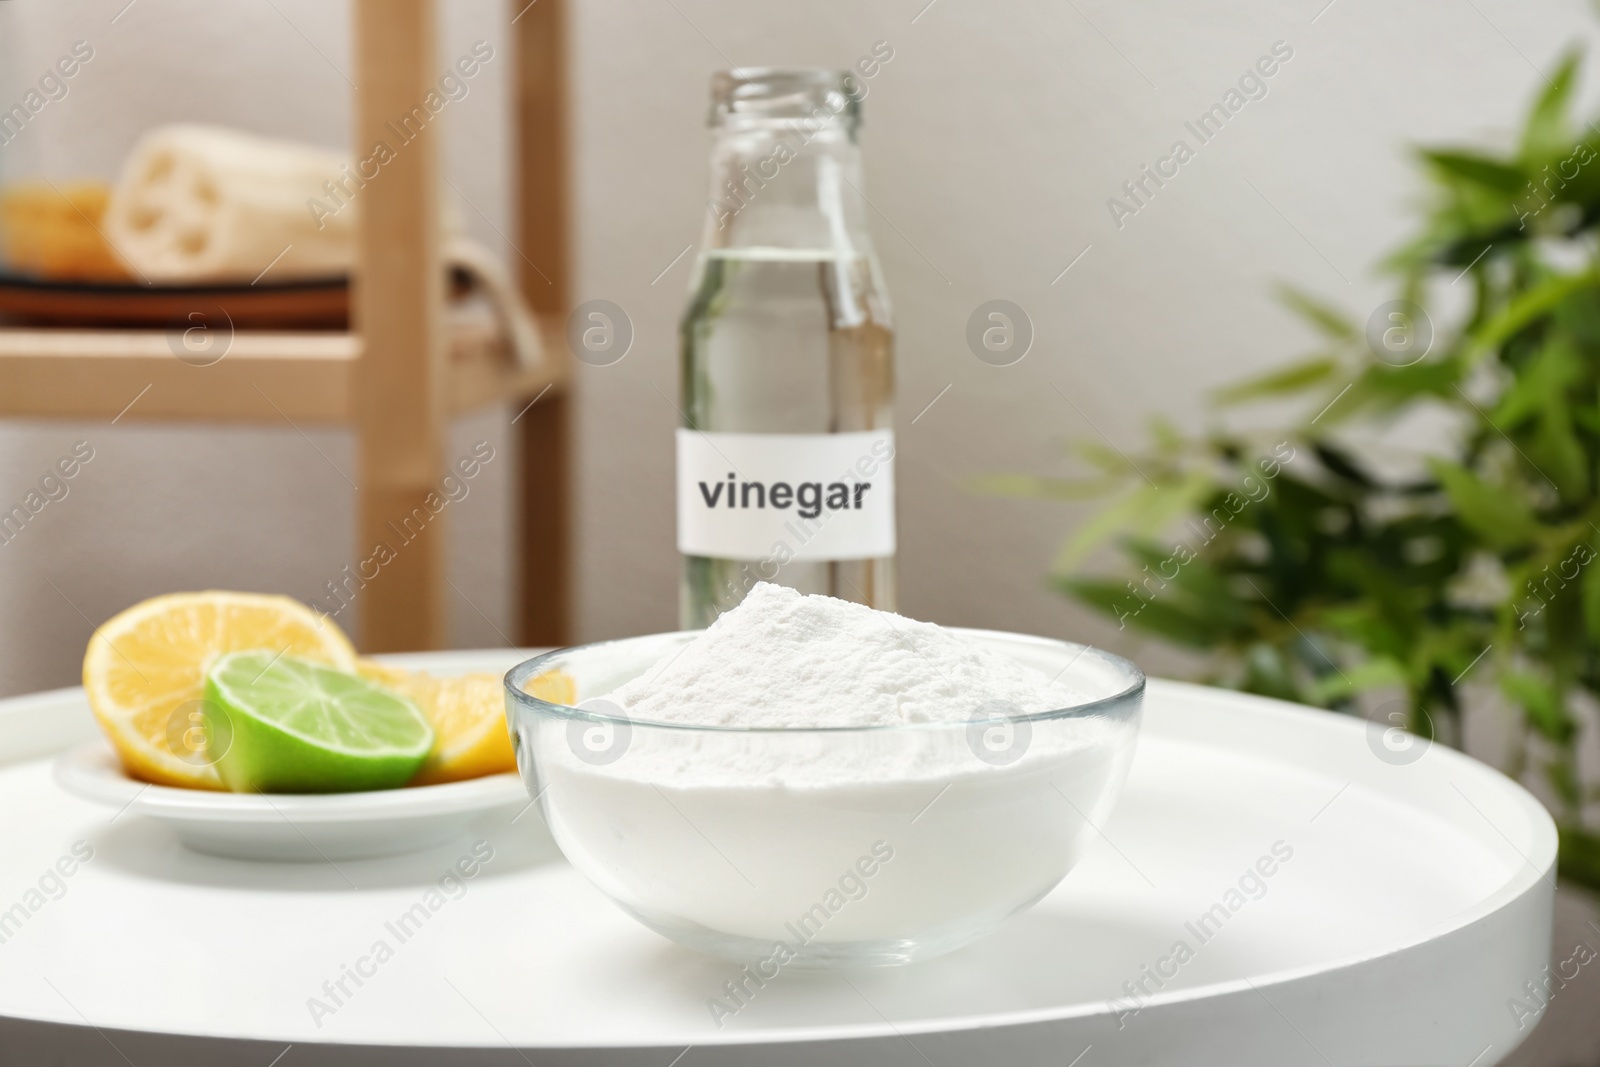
{"x":521,"y":701}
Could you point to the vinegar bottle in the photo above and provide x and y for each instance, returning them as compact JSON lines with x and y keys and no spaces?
{"x":785,"y":458}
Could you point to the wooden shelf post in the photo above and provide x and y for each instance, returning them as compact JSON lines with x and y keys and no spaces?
{"x":544,"y":209}
{"x":398,"y":400}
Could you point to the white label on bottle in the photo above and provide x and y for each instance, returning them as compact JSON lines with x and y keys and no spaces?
{"x":786,"y":496}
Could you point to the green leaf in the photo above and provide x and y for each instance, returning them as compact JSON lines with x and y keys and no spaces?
{"x":1168,"y":620}
{"x":1539,"y":383}
{"x":1481,"y":170}
{"x":1381,"y":389}
{"x":1286,"y":381}
{"x":1146,"y":510}
{"x":1341,"y":464}
{"x":1109,"y":597}
{"x":1379,"y":673}
{"x":1541,"y":703}
{"x":1546,"y":133}
{"x":1152,"y":615}
{"x":1578,"y":859}
{"x":1107,"y":458}
{"x":1563,"y":776}
{"x":1558,"y":451}
{"x":1500,"y":516}
{"x":1166,"y":435}
{"x":1591,"y":602}
{"x":1200,"y":587}
{"x":1325,"y":317}
{"x":1366,"y":625}
{"x":1523,"y":310}
{"x":1029,"y":486}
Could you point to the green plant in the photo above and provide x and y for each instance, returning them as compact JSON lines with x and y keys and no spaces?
{"x":1338,"y":575}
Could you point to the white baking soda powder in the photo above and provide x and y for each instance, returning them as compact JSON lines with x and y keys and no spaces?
{"x":782,"y":658}
{"x":798,"y":734}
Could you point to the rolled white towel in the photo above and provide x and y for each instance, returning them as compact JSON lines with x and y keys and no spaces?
{"x":204,"y":203}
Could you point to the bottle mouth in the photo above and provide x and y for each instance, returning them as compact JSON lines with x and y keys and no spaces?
{"x":785,"y":96}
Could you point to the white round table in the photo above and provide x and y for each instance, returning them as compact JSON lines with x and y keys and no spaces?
{"x":1407,"y":906}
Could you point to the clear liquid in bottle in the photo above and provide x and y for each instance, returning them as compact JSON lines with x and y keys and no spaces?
{"x":787,"y":334}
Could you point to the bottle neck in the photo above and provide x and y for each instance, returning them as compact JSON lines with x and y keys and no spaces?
{"x":787,"y":185}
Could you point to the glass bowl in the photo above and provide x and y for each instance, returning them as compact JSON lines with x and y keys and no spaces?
{"x":817,"y":847}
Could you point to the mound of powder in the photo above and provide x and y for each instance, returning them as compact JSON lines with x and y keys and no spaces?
{"x":785,"y":659}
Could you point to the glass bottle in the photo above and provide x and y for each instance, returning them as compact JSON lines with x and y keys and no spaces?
{"x":786,"y":452}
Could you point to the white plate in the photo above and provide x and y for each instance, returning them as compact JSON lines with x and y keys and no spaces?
{"x":297,"y":828}
{"x":283,"y":827}
{"x":1405,"y":930}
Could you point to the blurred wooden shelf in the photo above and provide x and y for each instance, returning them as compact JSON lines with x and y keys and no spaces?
{"x":263,"y":377}
{"x":414,"y":358}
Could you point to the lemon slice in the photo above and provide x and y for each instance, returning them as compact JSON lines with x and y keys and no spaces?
{"x":468,"y":715}
{"x":144,"y":672}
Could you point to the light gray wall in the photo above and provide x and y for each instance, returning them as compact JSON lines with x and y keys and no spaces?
{"x":993,"y":140}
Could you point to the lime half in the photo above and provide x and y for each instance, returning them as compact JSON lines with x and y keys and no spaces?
{"x":283,"y":724}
